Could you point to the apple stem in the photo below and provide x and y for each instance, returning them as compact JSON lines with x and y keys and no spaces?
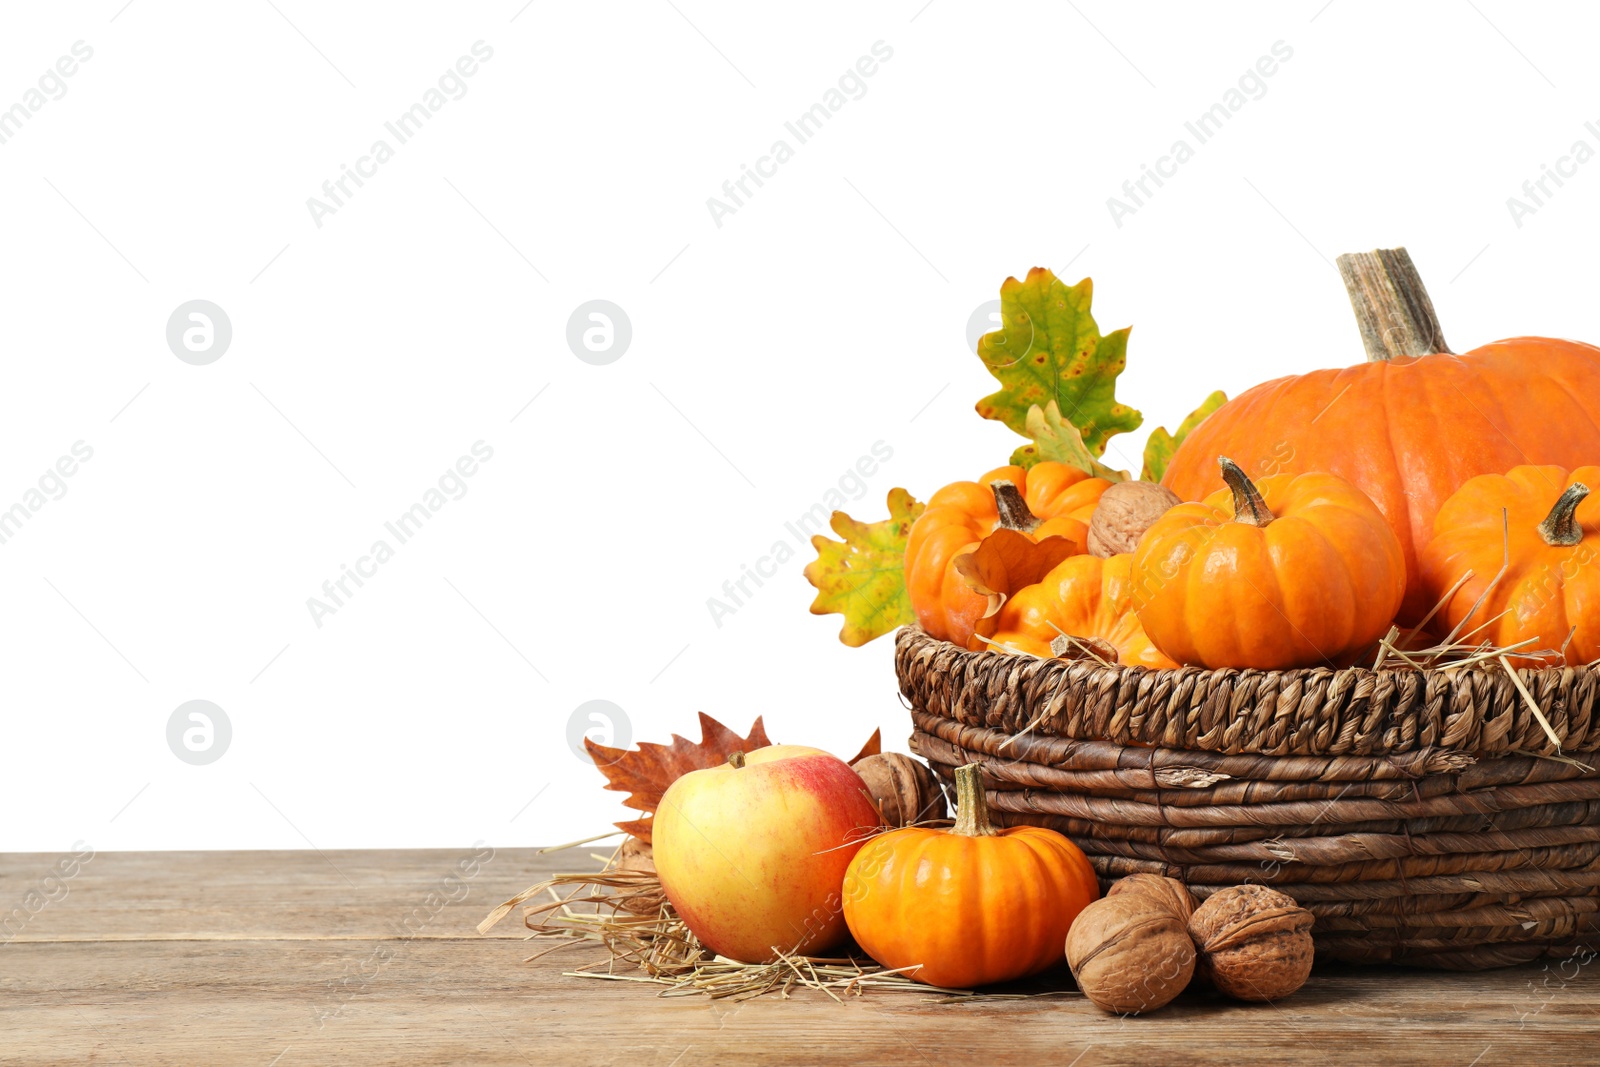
{"x":736,"y":759}
{"x":972,"y":807}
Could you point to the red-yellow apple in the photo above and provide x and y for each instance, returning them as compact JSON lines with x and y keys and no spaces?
{"x":752,"y":853}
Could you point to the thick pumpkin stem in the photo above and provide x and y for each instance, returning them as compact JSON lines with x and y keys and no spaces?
{"x":1249,"y":506}
{"x":1014,"y":513}
{"x":1391,"y":304}
{"x":1561,"y":526}
{"x":972,"y":807}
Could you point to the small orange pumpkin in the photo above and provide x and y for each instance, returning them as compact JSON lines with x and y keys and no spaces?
{"x":1047,"y":500}
{"x":1542,"y":517}
{"x":971,"y":905}
{"x":1084,"y":596}
{"x":1302,"y":571}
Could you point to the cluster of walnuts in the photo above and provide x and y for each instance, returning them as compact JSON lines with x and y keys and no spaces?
{"x":1137,"y":947}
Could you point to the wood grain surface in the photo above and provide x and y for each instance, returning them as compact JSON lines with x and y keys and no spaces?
{"x":290,"y":958}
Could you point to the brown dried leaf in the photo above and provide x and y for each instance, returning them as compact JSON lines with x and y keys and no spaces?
{"x":1007,"y":561}
{"x":647,"y":772}
{"x":873,"y":746}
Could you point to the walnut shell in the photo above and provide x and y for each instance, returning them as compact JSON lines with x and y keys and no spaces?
{"x":903,"y":789}
{"x":1254,"y":943}
{"x":1168,"y":891}
{"x":1130,"y":953}
{"x":636,"y":855}
{"x":1124,"y":513}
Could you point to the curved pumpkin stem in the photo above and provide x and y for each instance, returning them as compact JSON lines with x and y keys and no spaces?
{"x":1014,"y":512}
{"x":1248,"y":505}
{"x":1561,"y":527}
{"x":972,"y":807}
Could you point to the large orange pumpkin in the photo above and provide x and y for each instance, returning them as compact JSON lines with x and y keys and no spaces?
{"x":1047,"y":500}
{"x":1551,"y":590}
{"x":1299,"y":571}
{"x":1084,"y":596}
{"x":1412,"y":425}
{"x":971,"y":905}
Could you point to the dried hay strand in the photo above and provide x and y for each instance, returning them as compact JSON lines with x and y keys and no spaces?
{"x":657,"y":948}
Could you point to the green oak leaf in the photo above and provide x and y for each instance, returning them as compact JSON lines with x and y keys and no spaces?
{"x":1159,"y":449}
{"x":1049,"y":350}
{"x":863,"y":577}
{"x":1054,"y":438}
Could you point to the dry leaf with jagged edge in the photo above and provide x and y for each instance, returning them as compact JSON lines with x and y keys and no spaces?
{"x":1007,"y":561}
{"x":863,"y":577}
{"x":646,"y":772}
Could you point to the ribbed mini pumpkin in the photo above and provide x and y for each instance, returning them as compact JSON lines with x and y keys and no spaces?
{"x":968,"y":906}
{"x":1550,"y":593}
{"x":1047,"y":500}
{"x":1300,"y":571}
{"x":1084,"y":596}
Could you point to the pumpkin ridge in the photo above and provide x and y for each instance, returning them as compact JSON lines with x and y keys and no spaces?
{"x":1279,"y":601}
{"x":1500,"y":427}
{"x":1524,"y":603}
{"x":1359,"y":588}
{"x":1041,"y":881}
{"x":1457,"y":466}
{"x":1594,"y":423}
{"x":1435,"y":393}
{"x":1059,"y":863}
{"x":1276,"y":600}
{"x":1347,"y":582}
{"x":1408,"y":547}
{"x":1577,"y":606}
{"x":1588,"y":513}
{"x":975,"y":896}
{"x":1533,"y":479}
{"x":1412,"y":539}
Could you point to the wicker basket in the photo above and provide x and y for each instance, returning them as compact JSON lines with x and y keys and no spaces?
{"x":1418,"y":814}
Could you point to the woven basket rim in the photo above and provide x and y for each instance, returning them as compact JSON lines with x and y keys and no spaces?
{"x":1487,"y":666}
{"x":1321,"y":711}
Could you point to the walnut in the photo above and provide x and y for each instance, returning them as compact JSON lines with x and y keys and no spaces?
{"x":1130,"y":952}
{"x":903,"y":789}
{"x":1124,"y":513}
{"x":1169,"y":891}
{"x":647,"y":897}
{"x":1254,"y":943}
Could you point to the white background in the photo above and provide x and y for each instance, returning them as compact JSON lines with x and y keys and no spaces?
{"x":768,"y":354}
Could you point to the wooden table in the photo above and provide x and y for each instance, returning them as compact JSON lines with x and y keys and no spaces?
{"x":290,"y":958}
